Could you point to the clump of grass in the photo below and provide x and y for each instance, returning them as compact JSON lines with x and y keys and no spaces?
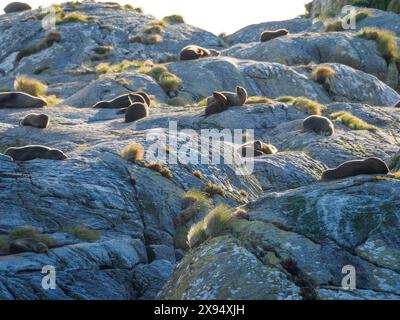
{"x":258,"y":99}
{"x":32,"y":233}
{"x":160,"y":23}
{"x":201,"y":103}
{"x":198,"y":174}
{"x":84,"y":233}
{"x":217,"y":221}
{"x":194,"y":196}
{"x":180,"y":238}
{"x":103,"y":68}
{"x":168,"y":81}
{"x":51,"y":37}
{"x":213,"y":189}
{"x":151,"y":39}
{"x":156,"y":29}
{"x":286,"y":99}
{"x":4,"y":246}
{"x":396,"y":175}
{"x":159,"y":168}
{"x":133,"y":9}
{"x":133,"y":152}
{"x":177,"y":102}
{"x":52,"y":100}
{"x":75,"y":17}
{"x":352,"y":121}
{"x":385,"y":40}
{"x":196,"y":235}
{"x":308,"y":106}
{"x":31,"y":86}
{"x":322,"y":73}
{"x":244,"y":193}
{"x":174,"y":19}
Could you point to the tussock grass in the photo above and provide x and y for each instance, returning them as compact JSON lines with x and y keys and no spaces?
{"x":133,"y":9}
{"x":216,"y":223}
{"x":194,"y":196}
{"x":75,"y":17}
{"x":258,"y":100}
{"x":351,"y":121}
{"x":286,"y":99}
{"x":168,"y":81}
{"x":160,"y":169}
{"x":32,"y":233}
{"x":198,"y":174}
{"x":51,"y":37}
{"x":31,"y":86}
{"x":84,"y":233}
{"x":177,"y":102}
{"x":385,"y":40}
{"x":213,"y":189}
{"x":103,"y":68}
{"x":196,"y":235}
{"x":308,"y":106}
{"x":174,"y":19}
{"x":322,"y":73}
{"x":133,"y":152}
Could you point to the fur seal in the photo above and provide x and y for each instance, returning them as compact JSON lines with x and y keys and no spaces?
{"x":136,"y":111}
{"x":355,"y":168}
{"x":36,"y":120}
{"x":32,"y":152}
{"x":16,"y":7}
{"x":221,"y":101}
{"x":193,"y":52}
{"x":257,"y":148}
{"x":27,"y":245}
{"x":122,"y":101}
{"x":20,"y":100}
{"x":141,"y":97}
{"x":269,"y":34}
{"x":320,"y":125}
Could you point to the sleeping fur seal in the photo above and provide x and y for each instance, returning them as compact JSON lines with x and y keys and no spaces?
{"x":20,"y":100}
{"x":32,"y":152}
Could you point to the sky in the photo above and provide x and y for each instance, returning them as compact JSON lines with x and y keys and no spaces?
{"x":213,"y":15}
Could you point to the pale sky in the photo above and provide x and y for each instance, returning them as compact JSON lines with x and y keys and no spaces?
{"x":213,"y":15}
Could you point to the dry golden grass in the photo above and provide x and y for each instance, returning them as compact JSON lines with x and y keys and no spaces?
{"x":31,"y":86}
{"x":133,"y":152}
{"x":351,"y":121}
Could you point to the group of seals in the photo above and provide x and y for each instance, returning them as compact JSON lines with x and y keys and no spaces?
{"x":221,"y":101}
{"x":27,"y":245}
{"x":320,"y":125}
{"x":32,"y":152}
{"x":356,"y":167}
{"x":16,"y":7}
{"x":36,"y":120}
{"x":257,"y":148}
{"x":135,"y":105}
{"x":193,"y":52}
{"x":20,"y":100}
{"x":272,"y":34}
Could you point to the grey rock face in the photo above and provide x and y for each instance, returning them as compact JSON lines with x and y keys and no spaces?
{"x":301,"y":232}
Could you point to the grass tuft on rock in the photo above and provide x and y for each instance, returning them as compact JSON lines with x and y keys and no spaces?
{"x":308,"y":106}
{"x":213,"y":189}
{"x":133,"y":152}
{"x":385,"y":40}
{"x":32,"y":233}
{"x":352,"y":121}
{"x":31,"y":86}
{"x":322,"y":73}
{"x":196,"y":235}
{"x":168,"y":81}
{"x":104,"y":67}
{"x":160,"y":169}
{"x":174,"y":19}
{"x":129,"y":7}
{"x":177,"y":102}
{"x":198,"y":174}
{"x":75,"y":17}
{"x":285,"y":99}
{"x":258,"y":100}
{"x":217,"y":221}
{"x":84,"y":233}
{"x":194,"y":196}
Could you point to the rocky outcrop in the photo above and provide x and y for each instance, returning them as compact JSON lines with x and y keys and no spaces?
{"x":300,"y":232}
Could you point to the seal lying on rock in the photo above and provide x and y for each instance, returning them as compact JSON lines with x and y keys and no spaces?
{"x":269,"y":35}
{"x":319,"y":125}
{"x":16,"y":7}
{"x":136,"y":111}
{"x":141,"y":97}
{"x":27,"y":245}
{"x":257,"y":148}
{"x":20,"y":100}
{"x":36,"y":120}
{"x":119,"y":102}
{"x":193,"y":52}
{"x":220,"y":101}
{"x":31,"y":152}
{"x":355,"y":168}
